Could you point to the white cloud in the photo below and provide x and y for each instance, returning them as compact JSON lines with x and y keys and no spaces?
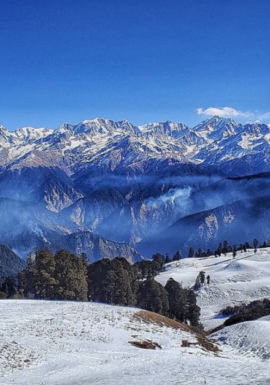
{"x":230,"y":112}
{"x":224,"y":112}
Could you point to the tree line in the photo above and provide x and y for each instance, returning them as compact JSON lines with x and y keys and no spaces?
{"x":65,"y":276}
{"x":224,"y":248}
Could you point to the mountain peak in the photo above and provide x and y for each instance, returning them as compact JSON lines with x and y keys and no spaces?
{"x":219,"y":119}
{"x":2,"y":128}
{"x":214,"y":123}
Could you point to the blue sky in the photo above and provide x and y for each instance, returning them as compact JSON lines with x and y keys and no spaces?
{"x":141,"y":60}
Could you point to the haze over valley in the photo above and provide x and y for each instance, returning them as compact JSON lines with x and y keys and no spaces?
{"x":115,"y":189}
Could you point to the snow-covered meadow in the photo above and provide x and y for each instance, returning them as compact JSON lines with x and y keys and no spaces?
{"x":43,"y":342}
{"x":232,"y":281}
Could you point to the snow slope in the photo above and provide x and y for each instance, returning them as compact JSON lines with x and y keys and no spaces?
{"x":68,"y":343}
{"x":251,"y":338}
{"x":233,"y":281}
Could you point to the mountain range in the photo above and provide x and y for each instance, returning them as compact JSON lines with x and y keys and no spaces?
{"x":111,"y":188}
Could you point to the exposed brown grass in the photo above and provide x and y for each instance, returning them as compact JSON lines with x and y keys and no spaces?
{"x":150,"y":317}
{"x":145,"y":344}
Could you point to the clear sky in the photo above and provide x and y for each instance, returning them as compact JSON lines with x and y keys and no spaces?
{"x":140,"y":60}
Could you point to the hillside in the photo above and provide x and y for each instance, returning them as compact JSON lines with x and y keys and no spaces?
{"x":233,"y":281}
{"x":10,"y":263}
{"x":230,"y":208}
{"x":45,"y":342}
{"x":68,"y":343}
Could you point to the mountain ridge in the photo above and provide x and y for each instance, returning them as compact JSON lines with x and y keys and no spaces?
{"x":214,"y":141}
{"x":126,"y":183}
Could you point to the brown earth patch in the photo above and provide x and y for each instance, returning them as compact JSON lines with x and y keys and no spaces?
{"x":145,"y":344}
{"x":150,"y":317}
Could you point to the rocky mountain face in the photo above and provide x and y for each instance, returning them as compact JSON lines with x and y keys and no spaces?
{"x":108,"y":187}
{"x":26,"y":225}
{"x":238,"y":222}
{"x":105,"y":145}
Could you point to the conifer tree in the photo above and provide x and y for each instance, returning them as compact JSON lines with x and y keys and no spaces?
{"x":26,"y":277}
{"x":98,"y":280}
{"x":219,"y":249}
{"x":177,"y":300}
{"x":193,"y":310}
{"x":70,"y":276}
{"x":177,"y":256}
{"x":191,"y":252}
{"x":43,"y":275}
{"x":225,"y":248}
{"x":152,"y":296}
{"x":113,"y":281}
{"x":159,"y":260}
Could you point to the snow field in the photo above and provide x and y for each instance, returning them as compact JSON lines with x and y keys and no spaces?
{"x":73,"y":343}
{"x":233,"y":281}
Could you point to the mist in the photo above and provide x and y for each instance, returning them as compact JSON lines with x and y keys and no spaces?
{"x":123,"y":208}
{"x":179,"y":198}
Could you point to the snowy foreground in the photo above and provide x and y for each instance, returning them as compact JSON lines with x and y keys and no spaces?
{"x":85,"y":343}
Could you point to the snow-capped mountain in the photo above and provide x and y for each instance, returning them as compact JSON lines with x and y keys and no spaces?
{"x":127,"y":183}
{"x":111,"y":145}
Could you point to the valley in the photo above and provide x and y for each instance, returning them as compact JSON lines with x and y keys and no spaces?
{"x":160,"y":187}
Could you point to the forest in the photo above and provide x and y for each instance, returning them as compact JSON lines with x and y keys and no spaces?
{"x":65,"y":276}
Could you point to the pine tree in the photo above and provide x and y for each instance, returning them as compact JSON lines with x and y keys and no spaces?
{"x":199,"y":280}
{"x":152,"y":296}
{"x":193,"y":310}
{"x":177,"y":300}
{"x":177,"y":256}
{"x":191,"y":252}
{"x":98,"y":280}
{"x":26,"y":277}
{"x":123,"y":287}
{"x":159,"y":260}
{"x":225,"y":248}
{"x":113,"y":281}
{"x":219,"y":249}
{"x":70,"y":276}
{"x":43,"y":277}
